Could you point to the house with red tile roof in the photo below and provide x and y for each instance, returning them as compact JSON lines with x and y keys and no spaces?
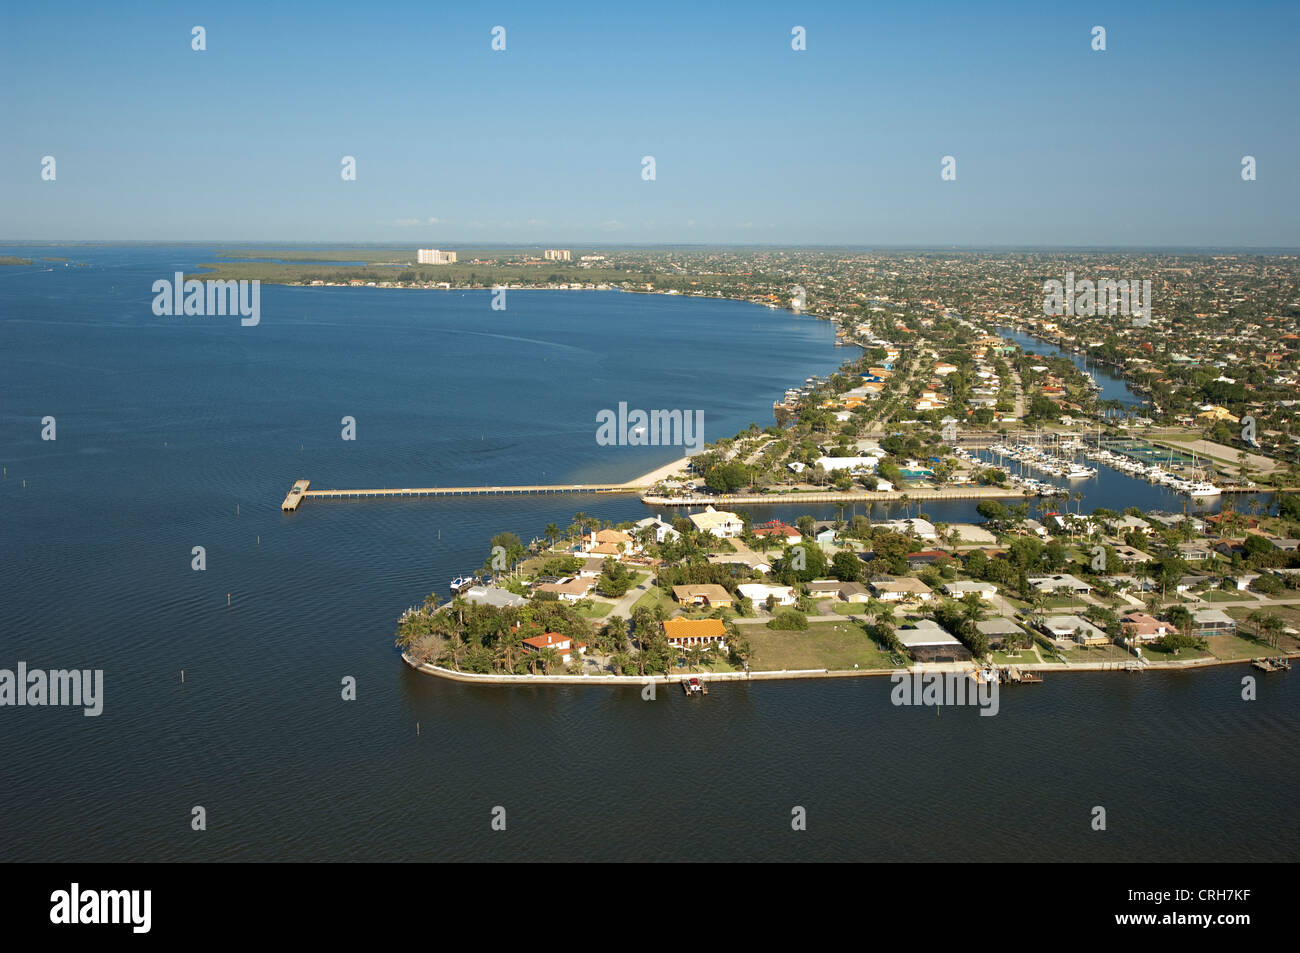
{"x":779,"y":530}
{"x":554,"y":640}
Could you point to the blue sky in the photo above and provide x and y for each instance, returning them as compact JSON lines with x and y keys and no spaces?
{"x":839,"y":144}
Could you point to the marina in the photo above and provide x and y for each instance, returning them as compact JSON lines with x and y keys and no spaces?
{"x":1129,"y":461}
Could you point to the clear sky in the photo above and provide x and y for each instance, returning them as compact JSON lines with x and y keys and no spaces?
{"x":1055,"y":144}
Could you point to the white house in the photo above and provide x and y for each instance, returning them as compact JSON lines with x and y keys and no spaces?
{"x":922,"y":528}
{"x":718,"y":522}
{"x":758,"y":592}
{"x":663,"y":530}
{"x":985,"y":590}
{"x":1072,"y":628}
{"x":1060,"y":582}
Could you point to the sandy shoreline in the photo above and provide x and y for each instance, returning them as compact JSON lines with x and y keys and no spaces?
{"x":662,"y":473}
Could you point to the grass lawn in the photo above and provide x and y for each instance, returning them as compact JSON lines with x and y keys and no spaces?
{"x":1289,"y":614}
{"x":828,"y":645}
{"x":595,"y":611}
{"x":1102,"y":653}
{"x":1221,"y":595}
{"x":719,"y":666}
{"x":1237,"y":646}
{"x":1047,"y":653}
{"x":652,"y":597}
{"x":849,"y":608}
{"x":1153,"y":654}
{"x":1026,"y":657}
{"x":1063,"y":602}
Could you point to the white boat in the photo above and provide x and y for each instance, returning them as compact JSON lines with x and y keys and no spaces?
{"x":1204,"y":489}
{"x":461,"y":583}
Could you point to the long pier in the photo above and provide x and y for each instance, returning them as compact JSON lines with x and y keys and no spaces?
{"x":300,"y":491}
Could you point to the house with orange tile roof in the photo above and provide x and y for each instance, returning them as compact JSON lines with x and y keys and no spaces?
{"x":610,"y":542}
{"x":688,"y":633}
{"x":554,"y":640}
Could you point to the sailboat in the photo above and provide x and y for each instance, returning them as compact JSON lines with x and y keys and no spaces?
{"x":1201,"y":488}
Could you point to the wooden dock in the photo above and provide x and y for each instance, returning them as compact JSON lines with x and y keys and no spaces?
{"x":299,"y":491}
{"x":294,"y":499}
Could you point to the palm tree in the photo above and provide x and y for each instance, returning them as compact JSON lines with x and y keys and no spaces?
{"x":455,"y":650}
{"x":552,"y":533}
{"x":508,"y":648}
{"x":972,"y":609}
{"x":580,"y":521}
{"x":549,"y":656}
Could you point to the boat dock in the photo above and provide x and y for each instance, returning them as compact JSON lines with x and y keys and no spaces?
{"x":299,"y":491}
{"x":292,"y":501}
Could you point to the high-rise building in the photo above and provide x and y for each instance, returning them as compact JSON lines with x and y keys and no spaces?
{"x":556,"y":254}
{"x":431,"y":256}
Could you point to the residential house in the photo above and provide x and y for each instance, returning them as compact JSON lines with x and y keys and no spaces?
{"x":1206,"y":622}
{"x":554,"y":640}
{"x":610,"y":542}
{"x":713,"y":596}
{"x":693,"y":633}
{"x":778,"y":530}
{"x":928,"y":641}
{"x":759,"y":592}
{"x":824,"y":533}
{"x":1035,"y":527}
{"x":663,"y":530}
{"x":1142,"y":627}
{"x":1073,"y":628}
{"x":997,"y":629}
{"x":570,"y":590}
{"x":920,"y":528}
{"x":1195,"y":551}
{"x":985,"y":590}
{"x":1128,"y":555}
{"x":718,"y":522}
{"x":900,"y":588}
{"x":1060,"y":582}
{"x":494,"y":596}
{"x":926,"y":557}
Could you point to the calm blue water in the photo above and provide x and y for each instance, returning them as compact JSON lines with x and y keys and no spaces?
{"x":174,"y":433}
{"x":1113,"y":387}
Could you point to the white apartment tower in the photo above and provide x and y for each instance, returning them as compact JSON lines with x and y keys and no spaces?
{"x":431,"y":256}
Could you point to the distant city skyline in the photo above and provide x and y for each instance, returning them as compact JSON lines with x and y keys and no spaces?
{"x":841,"y":144}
